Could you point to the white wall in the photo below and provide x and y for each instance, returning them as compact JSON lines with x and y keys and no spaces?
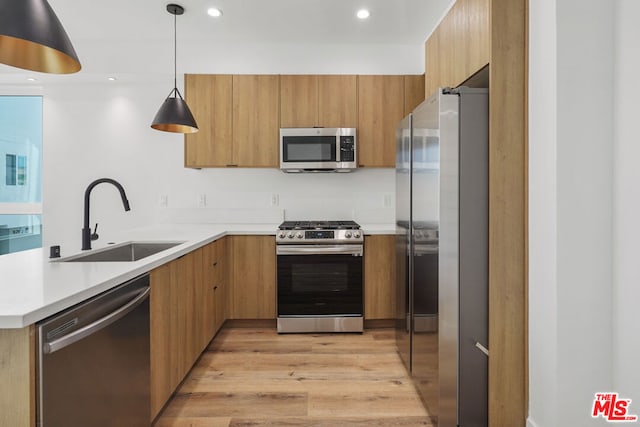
{"x":570,"y":216}
{"x":626,"y":207}
{"x":543,"y":280}
{"x":101,"y":129}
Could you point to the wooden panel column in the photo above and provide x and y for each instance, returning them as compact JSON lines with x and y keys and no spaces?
{"x":379,"y":277}
{"x":508,"y":214}
{"x":17,"y":377}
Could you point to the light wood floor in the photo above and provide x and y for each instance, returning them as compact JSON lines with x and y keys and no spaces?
{"x":255,"y":377}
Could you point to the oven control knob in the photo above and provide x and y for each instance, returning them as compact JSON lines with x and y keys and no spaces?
{"x":282,"y":235}
{"x":347,"y":234}
{"x":290,"y":235}
{"x":299,"y":235}
{"x":356,"y":234}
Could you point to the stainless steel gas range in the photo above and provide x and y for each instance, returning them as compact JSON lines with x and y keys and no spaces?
{"x":320,"y":286}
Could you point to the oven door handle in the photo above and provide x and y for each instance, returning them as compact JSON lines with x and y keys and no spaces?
{"x":355,"y":250}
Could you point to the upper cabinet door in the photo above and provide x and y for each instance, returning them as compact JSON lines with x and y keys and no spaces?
{"x":380,"y":108}
{"x":298,"y":101}
{"x":459,"y":47}
{"x":337,"y":101}
{"x":256,"y":120}
{"x":209,"y":98}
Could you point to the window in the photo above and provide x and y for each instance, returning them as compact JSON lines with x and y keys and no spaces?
{"x":11,"y":169}
{"x":21,"y":161}
{"x":16,"y":169}
{"x":21,"y":170}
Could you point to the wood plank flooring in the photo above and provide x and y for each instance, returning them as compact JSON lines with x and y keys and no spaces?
{"x":257,"y":378}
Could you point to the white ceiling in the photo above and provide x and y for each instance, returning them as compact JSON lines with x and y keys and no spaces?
{"x":134,"y":31}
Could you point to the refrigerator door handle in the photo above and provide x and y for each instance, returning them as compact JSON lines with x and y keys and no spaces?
{"x":482,"y":348}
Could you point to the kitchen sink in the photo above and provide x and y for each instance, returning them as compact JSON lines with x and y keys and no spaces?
{"x":132,"y":251}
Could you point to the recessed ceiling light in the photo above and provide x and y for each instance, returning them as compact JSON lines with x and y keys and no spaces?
{"x":363,"y":14}
{"x":212,"y":11}
{"x":31,"y":79}
{"x":111,"y":79}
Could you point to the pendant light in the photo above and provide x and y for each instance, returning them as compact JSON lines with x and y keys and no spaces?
{"x":32,"y":38}
{"x":174,"y":114}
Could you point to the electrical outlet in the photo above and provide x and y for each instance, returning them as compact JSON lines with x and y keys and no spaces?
{"x":387,"y":200}
{"x":202,"y":200}
{"x":164,"y":200}
{"x":275,"y":200}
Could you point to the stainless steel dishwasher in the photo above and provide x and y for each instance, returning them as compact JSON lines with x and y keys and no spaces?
{"x":93,"y":365}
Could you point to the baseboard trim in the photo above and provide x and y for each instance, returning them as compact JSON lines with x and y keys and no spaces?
{"x":250,"y":323}
{"x":272,"y":323}
{"x":379,"y":323}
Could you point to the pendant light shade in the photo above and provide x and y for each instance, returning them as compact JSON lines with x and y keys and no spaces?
{"x":174,"y":114}
{"x":32,"y":38}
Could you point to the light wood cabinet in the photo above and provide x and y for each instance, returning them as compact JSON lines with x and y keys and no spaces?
{"x":176,"y":326}
{"x":209,"y":261}
{"x":381,"y":106}
{"x":413,"y":92}
{"x":379,"y":277}
{"x":210,"y":99}
{"x":240,"y":115}
{"x":298,"y":101}
{"x":459,"y":47}
{"x":256,"y":120}
{"x":18,"y":377}
{"x":164,"y":337}
{"x":318,"y":100}
{"x":188,"y":276}
{"x":215,"y":270}
{"x":221,"y":287}
{"x":337,"y":101}
{"x":238,"y":119}
{"x":253,"y":277}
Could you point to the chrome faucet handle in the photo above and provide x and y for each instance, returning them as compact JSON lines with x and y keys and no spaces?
{"x":94,"y":235}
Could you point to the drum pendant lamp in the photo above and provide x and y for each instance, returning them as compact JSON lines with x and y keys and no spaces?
{"x":32,"y":38}
{"x":174,"y":114}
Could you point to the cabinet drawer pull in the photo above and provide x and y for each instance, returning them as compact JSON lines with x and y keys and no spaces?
{"x":215,"y":263}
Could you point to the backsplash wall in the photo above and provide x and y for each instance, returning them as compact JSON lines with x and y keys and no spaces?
{"x":232,"y":194}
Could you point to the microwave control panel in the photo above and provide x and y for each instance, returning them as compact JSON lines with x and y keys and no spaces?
{"x":347,"y":148}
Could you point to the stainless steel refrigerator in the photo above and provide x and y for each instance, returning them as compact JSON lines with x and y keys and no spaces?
{"x":442,"y":186}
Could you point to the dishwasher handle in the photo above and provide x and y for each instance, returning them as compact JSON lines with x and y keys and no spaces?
{"x":64,"y":341}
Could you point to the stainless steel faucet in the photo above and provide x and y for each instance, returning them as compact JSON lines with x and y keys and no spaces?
{"x":87,"y":236}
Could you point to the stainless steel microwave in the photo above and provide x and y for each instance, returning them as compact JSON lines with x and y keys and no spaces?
{"x":318,"y":149}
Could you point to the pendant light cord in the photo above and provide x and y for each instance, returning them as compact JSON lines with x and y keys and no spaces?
{"x":175,"y":52}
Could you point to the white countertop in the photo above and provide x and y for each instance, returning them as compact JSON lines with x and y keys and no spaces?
{"x":33,"y":288}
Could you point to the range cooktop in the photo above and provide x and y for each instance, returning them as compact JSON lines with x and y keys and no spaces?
{"x":319,"y":233}
{"x":319,"y":225}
